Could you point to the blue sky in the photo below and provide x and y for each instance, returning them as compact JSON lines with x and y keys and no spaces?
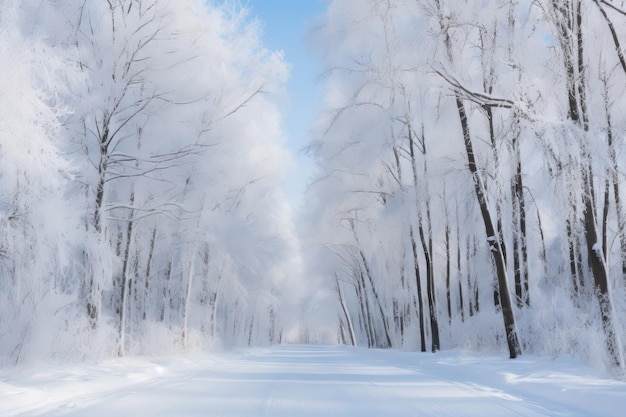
{"x":287,"y":23}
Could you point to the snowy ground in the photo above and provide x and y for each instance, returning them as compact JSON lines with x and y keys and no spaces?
{"x":314,"y":381}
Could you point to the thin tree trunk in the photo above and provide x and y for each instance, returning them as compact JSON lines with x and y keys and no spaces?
{"x":476,"y":292}
{"x":470,"y":287}
{"x":97,"y":220}
{"x":418,"y":283}
{"x":621,"y":221}
{"x":574,"y":258}
{"x":365,"y":309}
{"x":426,"y":247}
{"x":186,"y":301}
{"x":543,"y":254}
{"x":516,"y":251}
{"x":166,"y":297}
{"x":605,"y":215}
{"x":346,"y":314}
{"x":614,"y":175}
{"x":430,"y":294}
{"x":124,"y":287}
{"x":520,"y":250}
{"x":523,"y":235}
{"x":495,"y":246}
{"x":212,"y":317}
{"x":376,"y":299}
{"x":149,"y":269}
{"x":250,"y":331}
{"x":458,"y":262}
{"x":448,"y":261}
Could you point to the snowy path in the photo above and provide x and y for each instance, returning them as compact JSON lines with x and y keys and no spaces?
{"x":298,"y":381}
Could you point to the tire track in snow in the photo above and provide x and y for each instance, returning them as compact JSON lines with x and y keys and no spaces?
{"x":312,"y":381}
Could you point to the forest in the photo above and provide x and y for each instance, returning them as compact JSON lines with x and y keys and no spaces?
{"x":141,"y":206}
{"x":468,"y":189}
{"x":473,"y":155}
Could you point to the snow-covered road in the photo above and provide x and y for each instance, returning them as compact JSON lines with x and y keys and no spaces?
{"x":298,"y":381}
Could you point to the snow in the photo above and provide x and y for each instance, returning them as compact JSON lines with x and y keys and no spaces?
{"x":301,"y":380}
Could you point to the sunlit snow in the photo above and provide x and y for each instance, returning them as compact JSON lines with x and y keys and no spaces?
{"x":313,"y":381}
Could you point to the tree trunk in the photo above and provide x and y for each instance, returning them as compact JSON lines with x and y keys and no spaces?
{"x":520,"y":251}
{"x":365,"y":309}
{"x":418,"y":284}
{"x":377,"y":300}
{"x":470,"y":286}
{"x":346,"y":314}
{"x":426,"y":246}
{"x":458,"y":263}
{"x":124,"y":287}
{"x":448,"y":261}
{"x":187,"y":295}
{"x":149,"y":270}
{"x":574,"y":258}
{"x":614,"y":176}
{"x":494,"y":243}
{"x":430,"y":294}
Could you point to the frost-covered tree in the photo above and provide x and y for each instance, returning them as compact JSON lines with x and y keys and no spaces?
{"x":35,"y":264}
{"x":166,"y":143}
{"x":517,"y":180}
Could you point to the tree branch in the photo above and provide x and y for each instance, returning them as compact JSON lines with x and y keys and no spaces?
{"x":481,"y":99}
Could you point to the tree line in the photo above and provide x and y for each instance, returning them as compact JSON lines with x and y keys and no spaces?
{"x":141,"y":158}
{"x":470,"y":159}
